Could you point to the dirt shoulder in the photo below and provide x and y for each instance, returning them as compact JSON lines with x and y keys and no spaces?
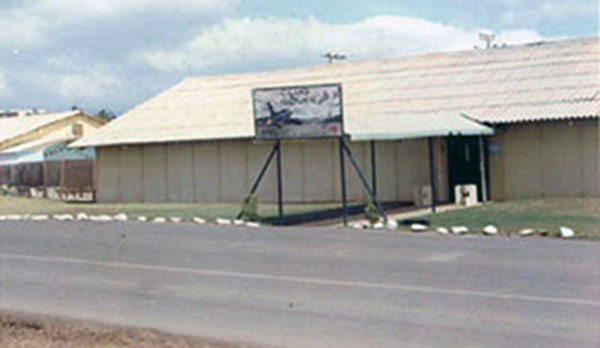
{"x":19,"y":330}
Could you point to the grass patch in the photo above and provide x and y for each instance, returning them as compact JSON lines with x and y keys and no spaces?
{"x":33,"y":206}
{"x":583,"y":215}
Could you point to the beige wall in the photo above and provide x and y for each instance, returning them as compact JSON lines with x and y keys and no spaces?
{"x":546,"y":159}
{"x":224,"y":171}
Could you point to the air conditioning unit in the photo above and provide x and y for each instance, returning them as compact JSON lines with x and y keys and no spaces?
{"x":422,"y":196}
{"x":465,"y":194}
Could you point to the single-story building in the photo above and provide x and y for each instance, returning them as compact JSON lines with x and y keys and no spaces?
{"x":35,"y":153}
{"x":195,"y":141}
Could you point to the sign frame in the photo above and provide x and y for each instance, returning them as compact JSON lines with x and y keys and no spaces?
{"x":341,"y":122}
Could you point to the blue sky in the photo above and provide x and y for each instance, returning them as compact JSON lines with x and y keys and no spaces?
{"x":115,"y":54}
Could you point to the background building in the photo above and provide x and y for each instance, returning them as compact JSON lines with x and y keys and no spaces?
{"x":34,"y":153}
{"x":194,"y":142}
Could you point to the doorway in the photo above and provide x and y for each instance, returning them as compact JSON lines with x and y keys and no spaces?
{"x":463,"y":163}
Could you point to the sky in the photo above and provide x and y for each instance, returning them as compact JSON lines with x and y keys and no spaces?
{"x":114,"y":54}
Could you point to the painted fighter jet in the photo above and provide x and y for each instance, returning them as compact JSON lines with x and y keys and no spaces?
{"x":281,"y":117}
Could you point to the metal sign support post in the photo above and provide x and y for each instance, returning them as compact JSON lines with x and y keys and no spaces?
{"x":343,"y":181}
{"x":262,"y":172}
{"x":432,"y":174}
{"x":373,"y":169}
{"x":279,"y":186}
{"x":363,"y":180}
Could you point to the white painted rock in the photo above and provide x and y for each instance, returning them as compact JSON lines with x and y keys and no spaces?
{"x":566,"y":232}
{"x":220,"y":221}
{"x":527,"y":232}
{"x":199,"y":220}
{"x":253,"y":224}
{"x":418,"y":227}
{"x":392,"y":225}
{"x":142,"y":219}
{"x":101,"y":218}
{"x":442,"y":230}
{"x":2,"y":218}
{"x":121,"y":217}
{"x":490,"y":230}
{"x":14,"y":217}
{"x":378,"y":225}
{"x":459,"y":229}
{"x":358,"y":225}
{"x":238,"y":222}
{"x":82,"y":217}
{"x":64,"y":217}
{"x":40,"y":218}
{"x":159,"y":220}
{"x":175,"y":219}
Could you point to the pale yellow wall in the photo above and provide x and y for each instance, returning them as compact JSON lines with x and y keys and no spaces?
{"x":224,"y":171}
{"x":546,"y":159}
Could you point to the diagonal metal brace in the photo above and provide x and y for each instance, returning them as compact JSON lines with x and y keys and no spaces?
{"x":364,"y":181}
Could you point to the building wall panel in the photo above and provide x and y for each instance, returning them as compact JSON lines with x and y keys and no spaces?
{"x":207,"y":175}
{"x":232,"y":164}
{"x":412,"y":167}
{"x":131,"y":186}
{"x":320,"y":161}
{"x":107,"y":166}
{"x":155,"y":173}
{"x":180,"y":172}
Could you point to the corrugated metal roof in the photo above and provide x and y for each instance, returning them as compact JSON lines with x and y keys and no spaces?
{"x":543,"y":81}
{"x":11,"y":127}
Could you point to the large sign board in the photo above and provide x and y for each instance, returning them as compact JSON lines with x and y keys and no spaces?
{"x":298,"y":112}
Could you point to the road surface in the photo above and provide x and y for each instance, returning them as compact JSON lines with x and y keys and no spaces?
{"x":305,"y":287}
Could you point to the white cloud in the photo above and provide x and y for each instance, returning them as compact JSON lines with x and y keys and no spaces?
{"x":251,"y":41}
{"x":89,"y":85}
{"x":28,"y":23}
{"x":97,"y":8}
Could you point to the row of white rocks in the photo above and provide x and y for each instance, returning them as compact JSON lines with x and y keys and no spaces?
{"x":489,"y":230}
{"x":122,"y":218}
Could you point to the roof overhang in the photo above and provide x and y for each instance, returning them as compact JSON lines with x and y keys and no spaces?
{"x":397,"y":127}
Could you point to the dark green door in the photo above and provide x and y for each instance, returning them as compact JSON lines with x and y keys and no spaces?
{"x":463,"y":163}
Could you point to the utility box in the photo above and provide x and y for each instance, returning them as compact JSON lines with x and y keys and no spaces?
{"x":465,"y":194}
{"x":422,"y":196}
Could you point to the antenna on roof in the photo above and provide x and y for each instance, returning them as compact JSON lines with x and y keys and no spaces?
{"x":488,"y":38}
{"x":333,"y":56}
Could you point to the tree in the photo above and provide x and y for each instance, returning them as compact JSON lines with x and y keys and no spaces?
{"x":106,"y":115}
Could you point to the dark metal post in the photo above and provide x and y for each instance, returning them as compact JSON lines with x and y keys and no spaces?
{"x":373,"y":169}
{"x":432,"y":174}
{"x":279,"y":185}
{"x":363,"y":180}
{"x":482,"y":169}
{"x":343,"y":182}
{"x":261,"y":174}
{"x":263,"y":170}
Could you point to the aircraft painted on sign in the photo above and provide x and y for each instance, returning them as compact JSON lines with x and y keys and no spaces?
{"x":281,"y":117}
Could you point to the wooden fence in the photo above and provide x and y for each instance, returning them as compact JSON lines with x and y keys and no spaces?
{"x":72,"y":179}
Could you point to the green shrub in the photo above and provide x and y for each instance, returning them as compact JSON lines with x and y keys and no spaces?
{"x":250,"y":208}
{"x":371,"y":213}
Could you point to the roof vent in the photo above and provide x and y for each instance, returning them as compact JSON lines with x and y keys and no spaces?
{"x":333,"y":56}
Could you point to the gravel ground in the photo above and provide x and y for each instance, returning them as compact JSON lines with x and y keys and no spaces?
{"x":19,"y":330}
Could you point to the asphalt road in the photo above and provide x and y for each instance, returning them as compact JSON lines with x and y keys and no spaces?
{"x":307,"y":287}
